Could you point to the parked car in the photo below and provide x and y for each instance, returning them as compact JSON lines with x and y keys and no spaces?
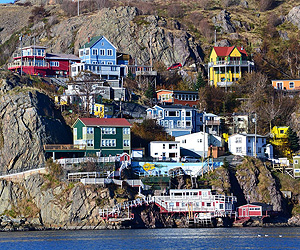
{"x":190,"y":159}
{"x":175,"y":66}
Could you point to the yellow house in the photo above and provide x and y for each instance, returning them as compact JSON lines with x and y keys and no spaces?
{"x":99,"y":110}
{"x":227,"y":65}
{"x":279,"y":138}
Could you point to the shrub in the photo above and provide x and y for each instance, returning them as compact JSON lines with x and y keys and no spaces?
{"x":55,"y":170}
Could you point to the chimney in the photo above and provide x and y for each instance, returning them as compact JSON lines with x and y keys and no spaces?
{"x":89,"y":39}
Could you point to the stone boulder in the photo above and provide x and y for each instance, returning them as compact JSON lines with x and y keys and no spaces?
{"x":223,"y":20}
{"x":294,"y":16}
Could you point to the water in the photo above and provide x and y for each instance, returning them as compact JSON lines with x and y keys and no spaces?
{"x":169,"y":239}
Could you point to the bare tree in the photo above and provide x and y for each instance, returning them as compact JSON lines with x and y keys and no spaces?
{"x":273,"y":108}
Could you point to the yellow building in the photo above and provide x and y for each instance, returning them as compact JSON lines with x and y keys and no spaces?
{"x":227,"y":65}
{"x":99,"y":110}
{"x":279,"y":138}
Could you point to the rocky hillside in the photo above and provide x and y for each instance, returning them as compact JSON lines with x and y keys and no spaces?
{"x":28,"y":121}
{"x":181,"y":31}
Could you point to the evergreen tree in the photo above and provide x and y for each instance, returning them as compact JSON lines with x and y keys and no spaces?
{"x":150,"y":92}
{"x":200,"y":82}
{"x":293,"y":140}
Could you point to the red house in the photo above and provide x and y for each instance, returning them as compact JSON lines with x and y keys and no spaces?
{"x":190,"y":98}
{"x":255,"y":209}
{"x":35,"y":61}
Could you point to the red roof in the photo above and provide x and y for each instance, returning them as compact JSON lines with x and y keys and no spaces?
{"x":116,"y":122}
{"x":225,"y":51}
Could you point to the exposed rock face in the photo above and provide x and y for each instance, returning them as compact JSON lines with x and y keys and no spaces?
{"x":294,"y":16}
{"x":28,"y":120}
{"x":133,"y":34}
{"x":257,"y":183}
{"x":223,"y":20}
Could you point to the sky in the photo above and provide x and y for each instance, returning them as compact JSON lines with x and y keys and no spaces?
{"x":6,"y":1}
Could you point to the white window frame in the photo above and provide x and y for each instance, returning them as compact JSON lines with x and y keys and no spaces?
{"x":110,"y":52}
{"x":87,"y":52}
{"x":108,"y":143}
{"x":238,"y":149}
{"x":95,"y":52}
{"x":90,"y":130}
{"x":291,"y":85}
{"x":126,"y":143}
{"x":54,"y":64}
{"x":102,"y":52}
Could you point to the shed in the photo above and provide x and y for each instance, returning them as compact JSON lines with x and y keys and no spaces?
{"x":255,"y":209}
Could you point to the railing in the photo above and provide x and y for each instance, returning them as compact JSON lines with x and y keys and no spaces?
{"x":31,"y":54}
{"x":237,"y":63}
{"x":64,"y":147}
{"x":66,"y":161}
{"x":32,"y":64}
{"x":224,"y":84}
{"x":217,"y":123}
{"x":146,"y":73}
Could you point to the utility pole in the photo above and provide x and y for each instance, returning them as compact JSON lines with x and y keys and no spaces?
{"x":255,"y":131}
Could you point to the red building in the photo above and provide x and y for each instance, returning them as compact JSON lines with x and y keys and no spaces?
{"x":35,"y":61}
{"x":255,"y":209}
{"x":190,"y":98}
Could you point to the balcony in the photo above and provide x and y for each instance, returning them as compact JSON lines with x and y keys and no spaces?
{"x":230,"y":63}
{"x":17,"y":64}
{"x":213,"y":123}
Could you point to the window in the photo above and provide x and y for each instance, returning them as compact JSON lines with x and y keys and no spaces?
{"x":238,"y":140}
{"x":81,"y":53}
{"x":292,"y":85}
{"x":188,"y":113}
{"x":94,"y":52}
{"x":178,"y":124}
{"x":172,"y":146}
{"x":208,"y":204}
{"x":90,"y":130}
{"x":102,"y":52}
{"x":102,"y":62}
{"x":108,"y":143}
{"x":296,"y":161}
{"x":54,"y":64}
{"x":279,"y":85}
{"x":249,"y":150}
{"x":199,"y":140}
{"x":110,"y":63}
{"x":172,"y":113}
{"x":183,"y":141}
{"x":87,"y":52}
{"x":164,"y":146}
{"x":90,"y":143}
{"x":75,"y":132}
{"x":281,"y":131}
{"x":239,"y":150}
{"x":188,"y":123}
{"x":109,"y":52}
{"x":259,"y":150}
{"x":221,"y":206}
{"x":126,"y":131}
{"x":126,"y":143}
{"x":110,"y":131}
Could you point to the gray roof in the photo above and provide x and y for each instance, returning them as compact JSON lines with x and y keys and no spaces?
{"x":62,"y":56}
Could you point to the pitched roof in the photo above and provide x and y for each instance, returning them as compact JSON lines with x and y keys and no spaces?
{"x":177,"y":91}
{"x":225,"y":51}
{"x":62,"y":56}
{"x":116,"y":122}
{"x":94,"y":40}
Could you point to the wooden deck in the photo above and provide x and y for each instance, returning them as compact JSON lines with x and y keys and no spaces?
{"x":61,"y":147}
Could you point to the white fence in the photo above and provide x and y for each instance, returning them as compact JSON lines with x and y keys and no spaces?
{"x":70,"y":161}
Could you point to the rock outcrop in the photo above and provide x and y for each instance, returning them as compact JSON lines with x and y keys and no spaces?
{"x":28,"y":121}
{"x":294,"y":16}
{"x":223,"y":20}
{"x":257,"y":184}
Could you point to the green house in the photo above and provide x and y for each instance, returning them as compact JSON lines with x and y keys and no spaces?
{"x":296,"y":166}
{"x":102,"y":136}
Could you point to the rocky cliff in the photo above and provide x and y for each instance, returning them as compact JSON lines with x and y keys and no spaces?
{"x":28,"y":120}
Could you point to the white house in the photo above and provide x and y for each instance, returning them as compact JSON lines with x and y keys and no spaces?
{"x":244,"y":145}
{"x":165,"y":150}
{"x":195,"y":143}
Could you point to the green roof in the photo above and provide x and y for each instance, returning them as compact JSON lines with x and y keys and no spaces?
{"x":92,"y":42}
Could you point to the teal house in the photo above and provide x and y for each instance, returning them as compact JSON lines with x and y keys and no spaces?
{"x":104,"y":136}
{"x":95,"y":137}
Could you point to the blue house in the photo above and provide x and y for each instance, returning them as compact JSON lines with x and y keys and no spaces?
{"x":176,"y":119}
{"x":99,"y":56}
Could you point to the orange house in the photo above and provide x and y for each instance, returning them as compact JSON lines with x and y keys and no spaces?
{"x":286,"y":84}
{"x":190,"y":98}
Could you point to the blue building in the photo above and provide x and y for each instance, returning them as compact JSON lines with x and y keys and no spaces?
{"x":99,"y":56}
{"x":176,"y":119}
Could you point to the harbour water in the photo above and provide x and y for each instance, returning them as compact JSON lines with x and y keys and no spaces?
{"x":179,"y":238}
